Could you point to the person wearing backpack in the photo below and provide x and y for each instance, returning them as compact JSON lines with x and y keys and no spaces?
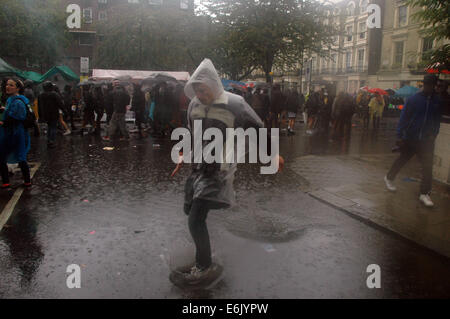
{"x":342,"y":112}
{"x":29,"y":94}
{"x":14,"y":137}
{"x":49,"y":104}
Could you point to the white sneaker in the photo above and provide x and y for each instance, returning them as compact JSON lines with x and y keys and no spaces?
{"x":68,"y":132}
{"x":426,"y":200}
{"x":389,"y":185}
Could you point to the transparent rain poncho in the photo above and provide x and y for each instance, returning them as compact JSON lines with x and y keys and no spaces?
{"x":214,"y":182}
{"x":206,"y":73}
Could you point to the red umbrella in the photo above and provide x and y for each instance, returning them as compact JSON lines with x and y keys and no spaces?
{"x":239,"y":87}
{"x":380,"y":91}
{"x":436,"y":71}
{"x":436,"y":68}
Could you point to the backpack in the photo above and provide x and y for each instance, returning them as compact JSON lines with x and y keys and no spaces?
{"x":30,"y":120}
{"x":348,"y":106}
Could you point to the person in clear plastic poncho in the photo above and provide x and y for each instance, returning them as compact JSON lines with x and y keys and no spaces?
{"x":210,"y":186}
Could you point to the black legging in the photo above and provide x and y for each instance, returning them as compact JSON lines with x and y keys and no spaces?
{"x":140,"y":119}
{"x":23,"y":167}
{"x":98,"y":120}
{"x":199,"y":232}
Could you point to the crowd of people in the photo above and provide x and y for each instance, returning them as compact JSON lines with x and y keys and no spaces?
{"x":277,"y":109}
{"x":164,"y":107}
{"x":159,"y":110}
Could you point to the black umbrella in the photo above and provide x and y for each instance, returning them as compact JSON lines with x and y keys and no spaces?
{"x":390,"y":91}
{"x":85,"y":83}
{"x":157,"y":78}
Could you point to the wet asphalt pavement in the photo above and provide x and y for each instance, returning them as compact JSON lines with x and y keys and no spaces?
{"x":119,"y":216}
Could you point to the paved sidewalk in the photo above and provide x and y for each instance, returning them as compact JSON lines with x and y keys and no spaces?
{"x":355,"y":184}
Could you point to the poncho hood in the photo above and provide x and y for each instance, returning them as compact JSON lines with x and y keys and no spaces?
{"x":206,"y":73}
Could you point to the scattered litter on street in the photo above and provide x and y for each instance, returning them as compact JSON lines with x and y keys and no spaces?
{"x":107,"y":148}
{"x":269,"y":248}
{"x":410,"y":179}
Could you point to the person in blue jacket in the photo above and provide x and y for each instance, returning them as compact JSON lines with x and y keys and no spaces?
{"x":416,"y":131}
{"x":14,"y":138}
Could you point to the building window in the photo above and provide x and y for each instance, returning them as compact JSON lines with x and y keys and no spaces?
{"x":398,"y":53}
{"x":103,"y":1}
{"x":363,"y":6}
{"x":184,"y":4}
{"x":362,"y":30}
{"x":87,"y":15}
{"x":361,"y":59}
{"x":324,"y":65}
{"x":102,"y":16}
{"x":32,"y":63}
{"x":334,"y":61}
{"x":348,"y":60}
{"x":427,"y":45}
{"x":351,"y":9}
{"x":133,"y":1}
{"x":155,"y":2}
{"x":349,"y":30}
{"x":402,"y":15}
{"x":86,"y":39}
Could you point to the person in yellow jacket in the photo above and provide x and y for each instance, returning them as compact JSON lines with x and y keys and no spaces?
{"x":376,"y":107}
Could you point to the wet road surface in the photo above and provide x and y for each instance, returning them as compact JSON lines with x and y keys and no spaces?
{"x":119,"y":216}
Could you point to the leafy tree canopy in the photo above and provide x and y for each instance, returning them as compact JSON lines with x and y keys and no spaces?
{"x":34,"y":29}
{"x":434,"y":16}
{"x":267,"y":33}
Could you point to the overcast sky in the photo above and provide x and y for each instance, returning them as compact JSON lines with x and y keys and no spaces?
{"x":198,"y":2}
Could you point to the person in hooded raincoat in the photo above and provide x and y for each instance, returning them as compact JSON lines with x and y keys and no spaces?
{"x":210,"y":186}
{"x":14,"y":138}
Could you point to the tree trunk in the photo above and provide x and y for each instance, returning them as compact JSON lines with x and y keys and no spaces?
{"x":268,"y":67}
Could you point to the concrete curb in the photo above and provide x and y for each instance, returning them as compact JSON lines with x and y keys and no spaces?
{"x":380,"y":222}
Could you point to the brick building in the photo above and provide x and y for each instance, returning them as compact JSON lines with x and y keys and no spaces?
{"x":94,"y":12}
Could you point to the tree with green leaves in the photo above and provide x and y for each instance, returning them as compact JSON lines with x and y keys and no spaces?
{"x":33,"y":29}
{"x":165,"y":38}
{"x":266,"y":33}
{"x":434,"y":16}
